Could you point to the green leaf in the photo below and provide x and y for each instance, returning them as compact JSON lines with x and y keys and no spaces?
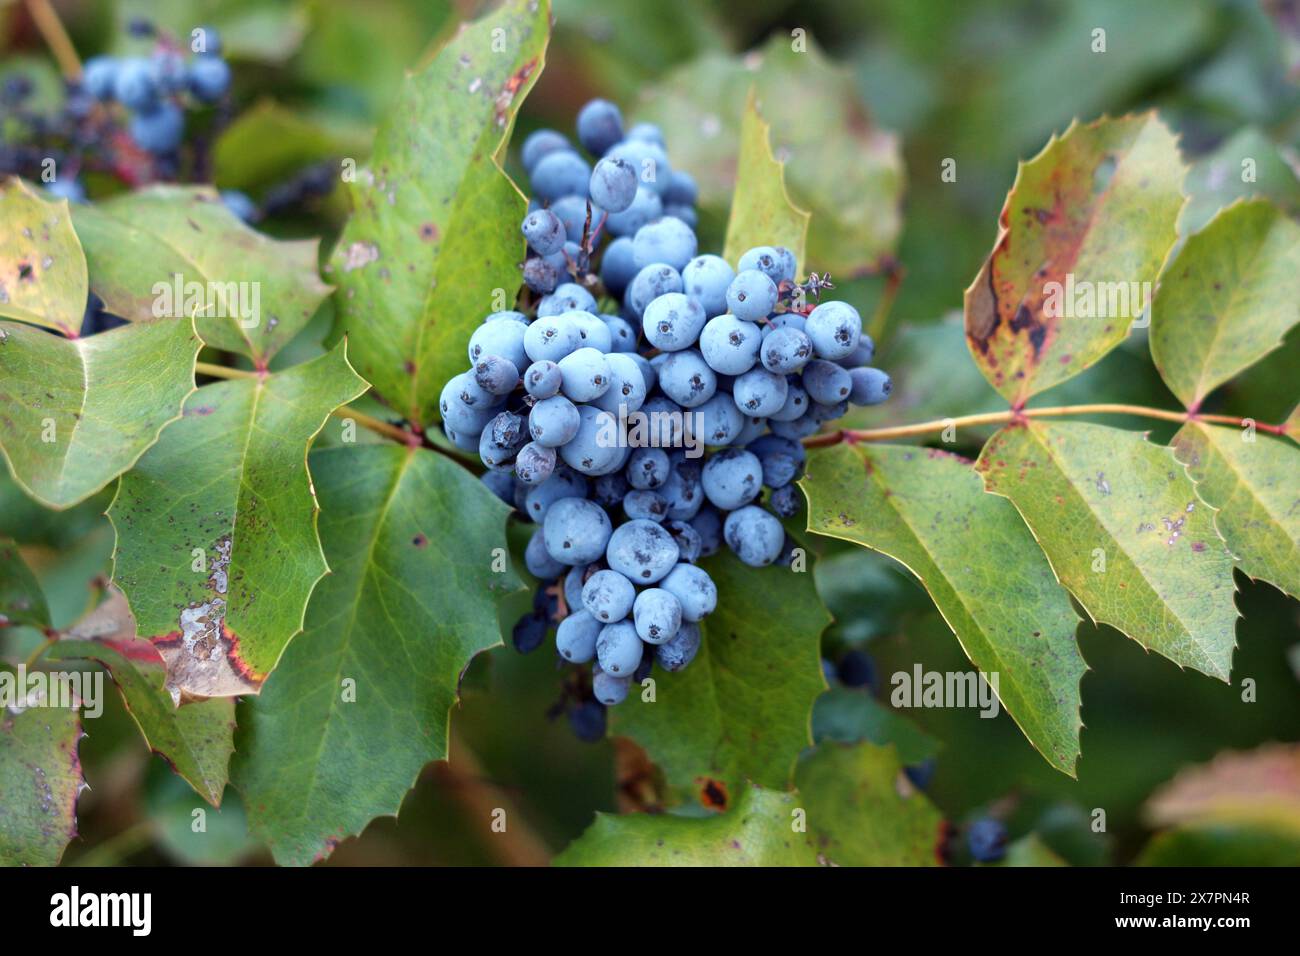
{"x":741,"y":711}
{"x":1227,"y":300}
{"x":1089,"y":220}
{"x":40,"y":779}
{"x":217,"y":550}
{"x":169,"y":805}
{"x":1100,"y":498}
{"x":849,"y":716}
{"x":1248,"y":163}
{"x":847,"y":172}
{"x":42,"y":268}
{"x":861,"y":812}
{"x":924,"y":508}
{"x":22,"y":602}
{"x":435,"y":223}
{"x":79,"y":412}
{"x":1252,"y":484}
{"x":178,"y":251}
{"x":270,"y":142}
{"x":757,"y":831}
{"x":761,"y":211}
{"x":196,"y":739}
{"x":410,"y":537}
{"x":1031,"y":851}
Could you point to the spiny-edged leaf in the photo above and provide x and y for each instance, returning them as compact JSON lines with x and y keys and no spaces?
{"x":435,"y":221}
{"x":410,"y":537}
{"x":1248,"y":163}
{"x":1227,"y":300}
{"x":924,"y":508}
{"x":251,"y":294}
{"x":22,"y":602}
{"x":757,"y":831}
{"x":761,"y":211}
{"x":839,"y":165}
{"x":196,"y":739}
{"x":42,"y":268}
{"x":1125,"y":531}
{"x":217,"y":550}
{"x":40,"y":778}
{"x":849,"y":716}
{"x":79,"y":412}
{"x":862,"y":812}
{"x":1252,"y":480}
{"x":1094,"y":215}
{"x":741,"y":710}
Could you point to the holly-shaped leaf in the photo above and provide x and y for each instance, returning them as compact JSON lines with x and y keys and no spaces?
{"x":1227,"y":300}
{"x":741,"y":711}
{"x":360,"y":702}
{"x":79,"y":412}
{"x":196,"y":739}
{"x":434,"y":238}
{"x":761,"y":211}
{"x":217,"y":550}
{"x":839,"y":165}
{"x":862,"y":811}
{"x":924,"y":508}
{"x":178,"y":251}
{"x":22,"y":602}
{"x":40,"y":779}
{"x":1081,"y":239}
{"x":1250,"y":479}
{"x":42,"y":268}
{"x":760,"y":830}
{"x":1125,"y":531}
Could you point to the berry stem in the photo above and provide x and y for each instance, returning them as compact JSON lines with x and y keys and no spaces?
{"x":1010,"y":415}
{"x":56,"y":37}
{"x":401,"y":435}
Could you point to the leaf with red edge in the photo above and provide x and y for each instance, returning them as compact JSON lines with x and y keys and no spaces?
{"x":1091,"y":217}
{"x":217,"y":549}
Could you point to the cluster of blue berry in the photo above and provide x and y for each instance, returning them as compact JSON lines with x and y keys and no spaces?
{"x":592,"y":415}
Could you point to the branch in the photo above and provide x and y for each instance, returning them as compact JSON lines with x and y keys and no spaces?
{"x":56,"y":37}
{"x":851,"y":435}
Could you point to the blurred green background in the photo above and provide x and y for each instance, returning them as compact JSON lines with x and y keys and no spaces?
{"x":899,"y":87}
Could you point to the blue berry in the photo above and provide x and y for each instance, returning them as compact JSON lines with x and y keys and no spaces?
{"x":553,"y":421}
{"x":645,"y":505}
{"x":765,"y":259}
{"x":538,"y":144}
{"x":987,"y":840}
{"x":706,"y":279}
{"x":538,"y":560}
{"x":683,"y":491}
{"x":496,"y":375}
{"x":667,"y":240}
{"x":834,"y":328}
{"x":503,"y":338}
{"x":208,"y":78}
{"x":679,"y":650}
{"x":576,"y":531}
{"x":641,"y":551}
{"x":159,"y":130}
{"x":613,"y":184}
{"x":759,"y":392}
{"x":576,"y":637}
{"x":627,"y":387}
{"x":587,"y":721}
{"x":694,"y":590}
{"x":622,"y":336}
{"x":572,"y":212}
{"x":796,"y":405}
{"x":560,"y":173}
{"x":99,"y":77}
{"x":657,"y":615}
{"x":586,"y":374}
{"x":608,"y":596}
{"x":646,"y":207}
{"x":687,"y":379}
{"x":529,"y":632}
{"x":618,"y":649}
{"x":720,"y":421}
{"x":786,"y":350}
{"x":856,"y":669}
{"x":617,"y":267}
{"x":608,"y":689}
{"x":651,"y":283}
{"x":550,"y":337}
{"x":648,"y":468}
{"x":870,"y":386}
{"x":751,"y":295}
{"x":672,"y":321}
{"x":682,"y":190}
{"x":567,"y":297}
{"x":600,"y":126}
{"x":826,"y":382}
{"x":732,"y":478}
{"x":544,"y":231}
{"x":135,"y":85}
{"x":730,"y":345}
{"x":779,"y":469}
{"x":534,"y":463}
{"x":563,"y":483}
{"x":591,"y":450}
{"x":647,"y":132}
{"x":755,"y":536}
{"x":785,"y":501}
